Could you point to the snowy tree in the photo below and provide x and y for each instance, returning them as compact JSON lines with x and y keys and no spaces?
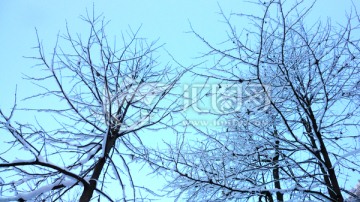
{"x":295,"y":136}
{"x":99,"y":96}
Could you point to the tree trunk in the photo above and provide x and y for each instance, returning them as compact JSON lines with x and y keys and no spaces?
{"x":314,"y":146}
{"x":88,"y":191}
{"x":335,"y":192}
{"x":276,"y":173}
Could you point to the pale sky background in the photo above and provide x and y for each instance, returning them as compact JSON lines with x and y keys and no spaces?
{"x":164,"y":19}
{"x":161,"y":19}
{"x":167,"y":20}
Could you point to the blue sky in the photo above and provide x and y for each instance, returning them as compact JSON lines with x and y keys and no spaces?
{"x":166,"y":20}
{"x":163,"y":19}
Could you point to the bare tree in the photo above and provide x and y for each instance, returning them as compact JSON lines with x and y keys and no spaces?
{"x":295,"y":137}
{"x":106,"y":94}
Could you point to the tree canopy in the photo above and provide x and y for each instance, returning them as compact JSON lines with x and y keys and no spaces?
{"x":271,"y":113}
